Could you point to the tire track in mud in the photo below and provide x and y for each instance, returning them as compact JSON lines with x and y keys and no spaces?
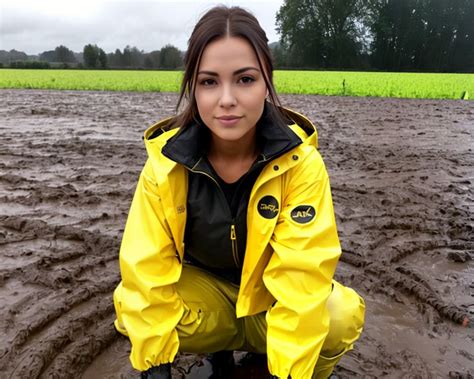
{"x":402,"y":181}
{"x":50,"y":178}
{"x":390,"y":271}
{"x":411,"y":283}
{"x":403,"y":210}
{"x":65,"y":274}
{"x":36,"y":359}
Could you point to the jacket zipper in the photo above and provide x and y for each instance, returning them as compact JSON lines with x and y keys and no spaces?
{"x":233,"y":241}
{"x":233,"y":234}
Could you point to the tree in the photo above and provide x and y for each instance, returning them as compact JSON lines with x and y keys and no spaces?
{"x":152,"y":59}
{"x":322,"y":33}
{"x":48,"y":56}
{"x":425,"y":35}
{"x":340,"y":21}
{"x":115,"y":59}
{"x":398,"y":30}
{"x":170,"y":57}
{"x":298,"y":27}
{"x":91,"y":56}
{"x":102,"y":59}
{"x":137,"y":57}
{"x":7,"y":57}
{"x":462,"y":57}
{"x":449,"y":35}
{"x":64,"y":55}
{"x":127,"y":57}
{"x":94,"y":57}
{"x":280,"y":56}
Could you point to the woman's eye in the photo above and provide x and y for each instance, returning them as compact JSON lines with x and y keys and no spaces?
{"x":247,"y":79}
{"x":207,"y":82}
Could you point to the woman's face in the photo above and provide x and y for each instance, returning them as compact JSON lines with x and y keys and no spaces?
{"x":230,"y":89}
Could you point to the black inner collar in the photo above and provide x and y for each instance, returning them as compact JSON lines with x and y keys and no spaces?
{"x":190,"y":144}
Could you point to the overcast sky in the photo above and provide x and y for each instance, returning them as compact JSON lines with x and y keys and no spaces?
{"x":34,"y":26}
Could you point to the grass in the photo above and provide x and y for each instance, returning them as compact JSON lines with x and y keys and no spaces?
{"x":345,"y":83}
{"x":101,"y":80}
{"x":381,"y":84}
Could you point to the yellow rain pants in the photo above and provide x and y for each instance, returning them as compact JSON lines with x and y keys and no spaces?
{"x":209,"y":323}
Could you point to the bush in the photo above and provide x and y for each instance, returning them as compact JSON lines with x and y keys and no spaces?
{"x":30,"y":64}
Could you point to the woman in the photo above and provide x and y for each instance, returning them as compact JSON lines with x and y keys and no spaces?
{"x":231,"y":241}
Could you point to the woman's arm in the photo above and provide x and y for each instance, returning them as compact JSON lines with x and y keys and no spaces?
{"x":150,"y":307}
{"x":299,"y":273}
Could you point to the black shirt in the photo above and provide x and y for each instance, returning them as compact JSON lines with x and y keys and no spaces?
{"x":230,"y":189}
{"x":221,"y":263}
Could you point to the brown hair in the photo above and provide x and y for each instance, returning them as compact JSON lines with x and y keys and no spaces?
{"x":222,"y":21}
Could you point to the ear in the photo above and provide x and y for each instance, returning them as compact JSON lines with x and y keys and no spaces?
{"x":268,"y":93}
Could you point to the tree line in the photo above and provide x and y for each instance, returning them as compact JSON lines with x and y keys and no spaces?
{"x":168,"y":57}
{"x":388,"y":35}
{"x":92,"y":56}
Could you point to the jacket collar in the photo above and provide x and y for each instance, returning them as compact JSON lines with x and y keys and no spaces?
{"x":190,"y":143}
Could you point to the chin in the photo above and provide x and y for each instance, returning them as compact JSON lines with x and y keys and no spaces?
{"x":230,"y":136}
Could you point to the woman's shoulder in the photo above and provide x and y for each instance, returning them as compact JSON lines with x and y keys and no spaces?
{"x":302,"y":127}
{"x":155,"y":138}
{"x":160,"y":131}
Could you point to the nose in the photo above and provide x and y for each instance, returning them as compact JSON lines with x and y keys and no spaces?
{"x":227,"y":97}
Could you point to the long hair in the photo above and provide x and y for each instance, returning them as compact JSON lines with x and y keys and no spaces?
{"x":222,"y":21}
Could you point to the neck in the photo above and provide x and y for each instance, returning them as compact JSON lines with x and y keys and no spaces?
{"x":243,"y":149}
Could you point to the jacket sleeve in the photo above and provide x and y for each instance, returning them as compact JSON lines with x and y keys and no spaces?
{"x":299,"y":274}
{"x":150,"y":306}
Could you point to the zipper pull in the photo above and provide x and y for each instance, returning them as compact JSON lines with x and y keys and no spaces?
{"x":232,"y":233}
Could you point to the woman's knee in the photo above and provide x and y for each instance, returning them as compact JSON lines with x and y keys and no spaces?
{"x":346,"y":311}
{"x":208,"y":323}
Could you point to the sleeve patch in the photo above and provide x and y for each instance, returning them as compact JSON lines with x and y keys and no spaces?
{"x":302,"y":214}
{"x":268,"y":207}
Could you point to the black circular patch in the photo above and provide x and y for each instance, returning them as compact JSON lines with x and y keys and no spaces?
{"x":303,"y":214}
{"x":268,"y":207}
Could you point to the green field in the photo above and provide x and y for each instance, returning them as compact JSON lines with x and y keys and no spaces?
{"x":407,"y":85}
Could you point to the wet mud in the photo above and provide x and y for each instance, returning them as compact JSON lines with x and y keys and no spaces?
{"x":402,"y":174}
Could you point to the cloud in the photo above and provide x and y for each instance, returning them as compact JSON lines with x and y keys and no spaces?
{"x":36,"y":26}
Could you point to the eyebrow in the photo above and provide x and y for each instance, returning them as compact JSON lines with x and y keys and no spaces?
{"x":239,"y":71}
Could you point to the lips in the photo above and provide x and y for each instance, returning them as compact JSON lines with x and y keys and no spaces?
{"x":228,"y":120}
{"x":229,"y":117}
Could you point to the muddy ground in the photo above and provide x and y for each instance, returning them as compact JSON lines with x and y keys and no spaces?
{"x":402,"y":175}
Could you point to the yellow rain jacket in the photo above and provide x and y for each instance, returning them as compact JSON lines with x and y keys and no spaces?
{"x":290,"y":258}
